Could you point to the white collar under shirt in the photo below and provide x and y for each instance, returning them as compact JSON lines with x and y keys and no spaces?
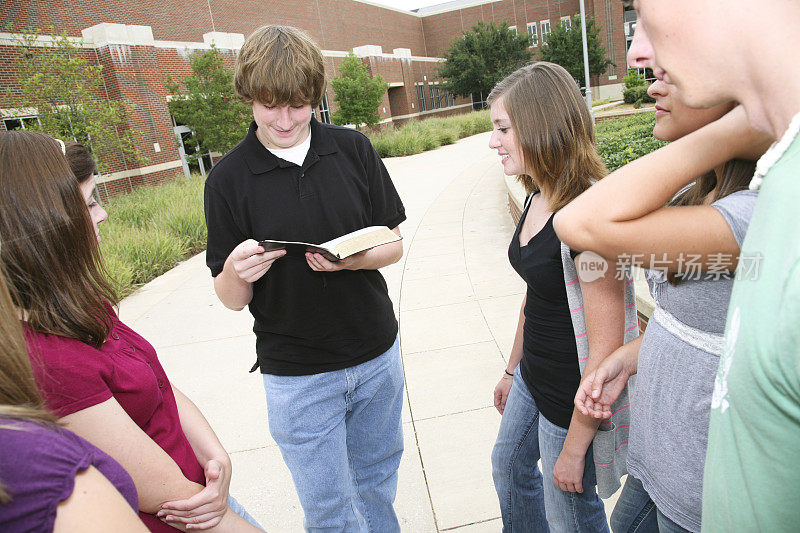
{"x":295,"y":154}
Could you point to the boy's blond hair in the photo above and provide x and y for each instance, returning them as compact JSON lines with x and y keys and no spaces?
{"x":280,"y":65}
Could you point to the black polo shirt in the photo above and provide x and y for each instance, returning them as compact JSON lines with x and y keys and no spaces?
{"x":307,"y":322}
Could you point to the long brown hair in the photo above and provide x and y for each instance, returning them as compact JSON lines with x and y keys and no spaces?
{"x":19,"y":397}
{"x":553,"y":126}
{"x":50,"y":253}
{"x":736,"y":176}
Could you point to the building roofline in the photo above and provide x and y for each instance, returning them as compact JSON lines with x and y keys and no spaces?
{"x":13,"y":39}
{"x":390,"y":8}
{"x":450,"y":6}
{"x":422,"y":12}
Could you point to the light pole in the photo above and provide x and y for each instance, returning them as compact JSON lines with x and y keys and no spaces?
{"x":586,"y":61}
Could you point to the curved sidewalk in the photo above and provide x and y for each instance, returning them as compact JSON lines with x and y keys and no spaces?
{"x":458,"y":302}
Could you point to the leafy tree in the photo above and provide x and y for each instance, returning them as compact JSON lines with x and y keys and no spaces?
{"x":207,"y":103}
{"x":564,"y":46}
{"x":66,"y":92}
{"x":357,"y":94}
{"x":482,"y":57}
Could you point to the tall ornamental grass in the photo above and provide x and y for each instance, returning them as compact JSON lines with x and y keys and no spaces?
{"x":417,"y":136}
{"x":152,"y":229}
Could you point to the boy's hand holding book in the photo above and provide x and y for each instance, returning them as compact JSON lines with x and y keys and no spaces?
{"x":348,"y":252}
{"x":318,"y":262}
{"x":250,"y":261}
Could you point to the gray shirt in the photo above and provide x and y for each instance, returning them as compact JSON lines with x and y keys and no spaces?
{"x":677,"y":364}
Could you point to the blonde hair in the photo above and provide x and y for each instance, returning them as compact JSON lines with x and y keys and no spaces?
{"x":554,"y":130}
{"x":280,"y":65}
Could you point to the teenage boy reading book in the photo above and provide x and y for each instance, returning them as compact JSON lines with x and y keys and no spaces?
{"x":326,"y":334}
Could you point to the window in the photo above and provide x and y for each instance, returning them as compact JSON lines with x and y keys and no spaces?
{"x":630,"y":26}
{"x":324,"y":110}
{"x":630,"y":29}
{"x":533,"y":33}
{"x":479,"y":101}
{"x":545,"y":24}
{"x":421,"y":97}
{"x":20,"y":123}
{"x":513,"y":29}
{"x":438,"y":98}
{"x":434,"y":102}
{"x":566,"y":22}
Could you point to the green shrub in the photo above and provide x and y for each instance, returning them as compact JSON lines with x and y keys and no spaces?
{"x":637,"y":94}
{"x":634,"y":79}
{"x":630,"y":94}
{"x":622,"y":140}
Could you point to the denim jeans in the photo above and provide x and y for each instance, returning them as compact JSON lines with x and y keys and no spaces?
{"x":635,"y":512}
{"x":340,"y":435}
{"x":528,"y":500}
{"x":239,"y":509}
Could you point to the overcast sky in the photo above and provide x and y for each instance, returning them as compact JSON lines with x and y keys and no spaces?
{"x":408,"y":5}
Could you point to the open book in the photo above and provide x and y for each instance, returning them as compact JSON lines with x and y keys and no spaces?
{"x":340,"y":247}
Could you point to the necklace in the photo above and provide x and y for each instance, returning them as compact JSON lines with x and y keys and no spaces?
{"x":775,"y":152}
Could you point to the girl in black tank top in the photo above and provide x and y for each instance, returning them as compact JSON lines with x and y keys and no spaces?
{"x":544,"y":135}
{"x":549,"y":365}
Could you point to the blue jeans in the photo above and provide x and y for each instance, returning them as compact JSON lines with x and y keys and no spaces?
{"x":239,"y":509}
{"x":341,"y":436}
{"x":635,"y":512}
{"x":527,"y":501}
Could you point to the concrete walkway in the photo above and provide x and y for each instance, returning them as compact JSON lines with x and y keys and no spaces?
{"x":457,"y":300}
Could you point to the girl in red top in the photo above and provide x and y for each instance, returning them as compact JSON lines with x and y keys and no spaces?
{"x":51,"y":480}
{"x":101,"y":379}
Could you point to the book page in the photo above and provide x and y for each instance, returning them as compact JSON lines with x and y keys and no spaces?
{"x":270,"y":245}
{"x":360,"y":240}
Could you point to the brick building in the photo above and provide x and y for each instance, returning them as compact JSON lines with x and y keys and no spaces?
{"x":140,"y":43}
